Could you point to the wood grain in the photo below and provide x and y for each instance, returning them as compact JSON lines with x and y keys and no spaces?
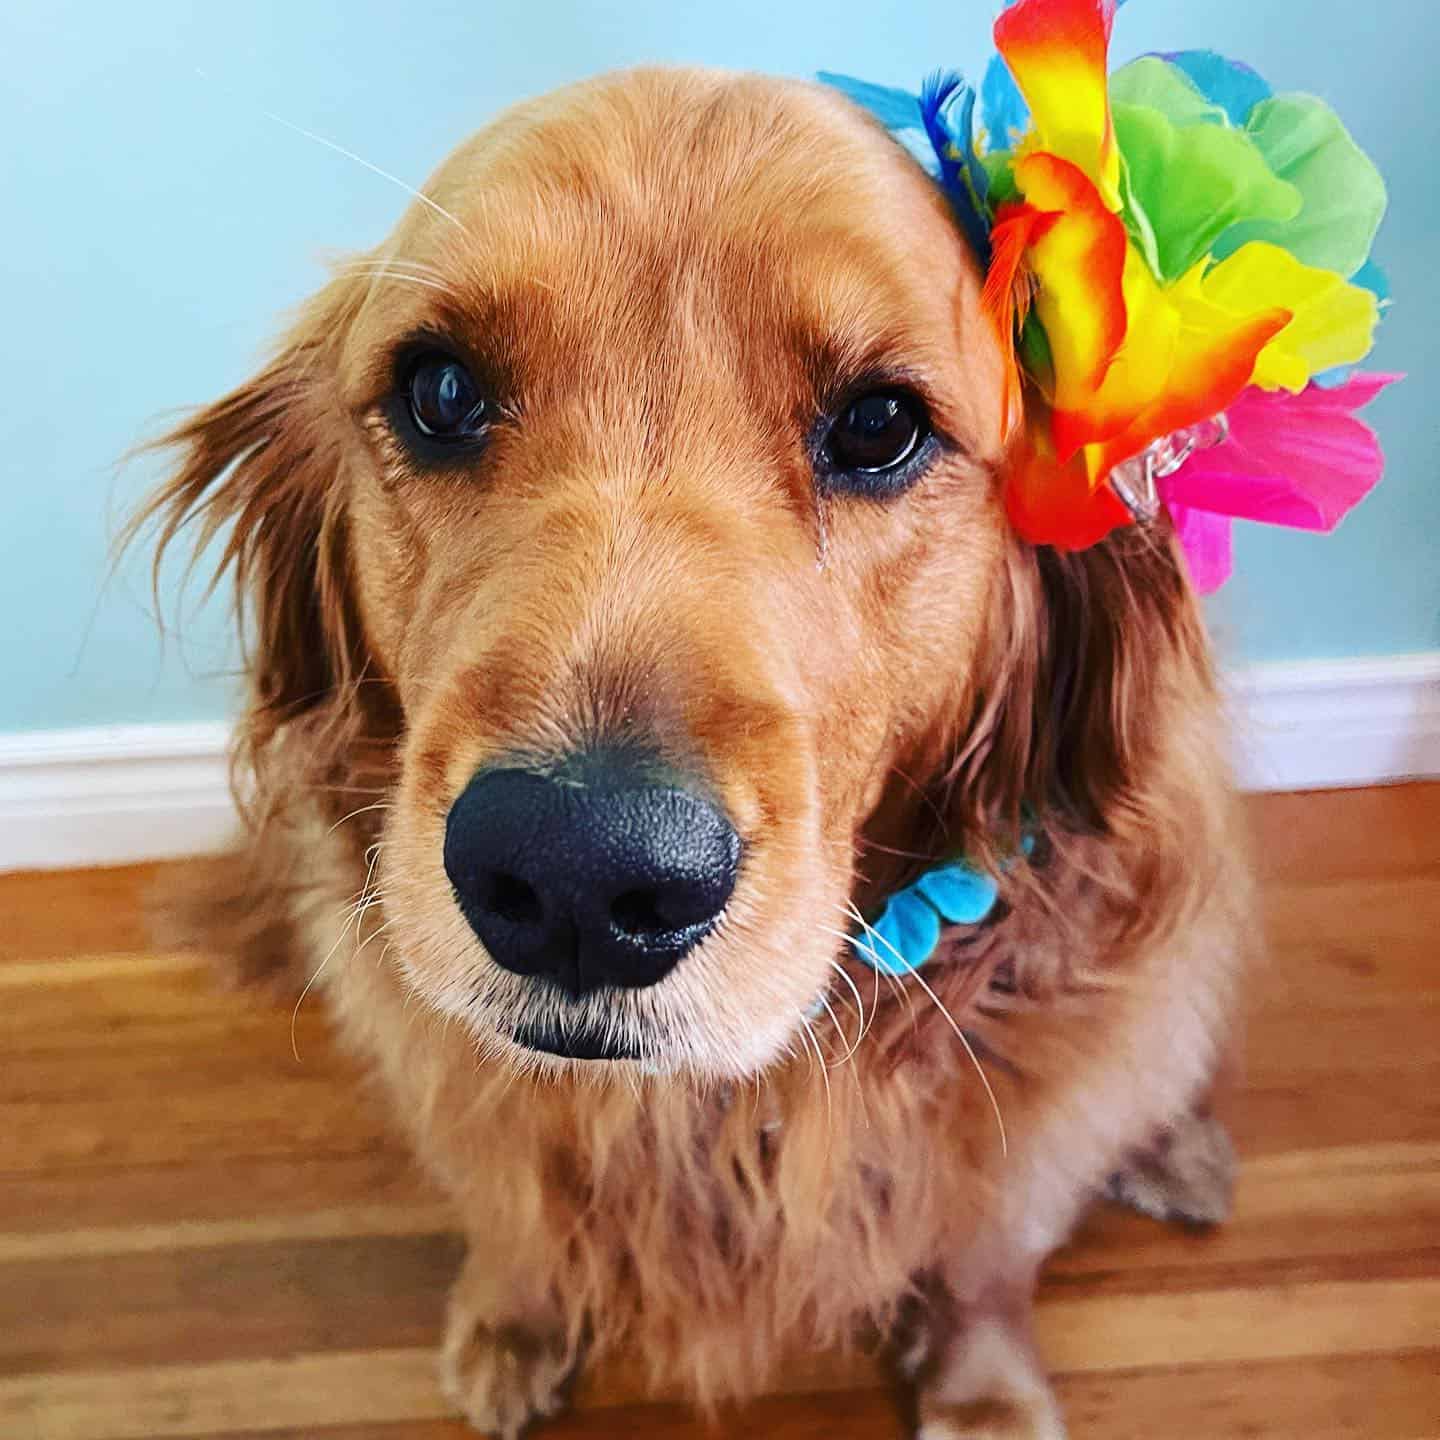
{"x":204,"y":1237}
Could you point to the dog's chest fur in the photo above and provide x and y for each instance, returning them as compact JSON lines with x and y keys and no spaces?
{"x":800,"y":1210}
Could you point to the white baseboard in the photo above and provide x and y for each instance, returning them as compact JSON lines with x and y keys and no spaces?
{"x":1323,"y":724}
{"x":113,"y":795}
{"x":119,"y":794}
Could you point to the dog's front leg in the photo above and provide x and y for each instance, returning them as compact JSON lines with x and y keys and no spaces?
{"x":510,"y":1352}
{"x":977,"y":1373}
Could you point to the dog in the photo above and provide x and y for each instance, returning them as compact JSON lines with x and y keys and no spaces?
{"x":631,"y":608}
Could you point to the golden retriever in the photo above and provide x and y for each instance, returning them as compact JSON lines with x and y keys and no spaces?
{"x":630,"y":603}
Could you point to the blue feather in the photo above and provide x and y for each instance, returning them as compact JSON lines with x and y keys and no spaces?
{"x":947,"y":105}
{"x":939,"y":87}
{"x":894,"y":109}
{"x":945,"y":112}
{"x":1003,"y":110}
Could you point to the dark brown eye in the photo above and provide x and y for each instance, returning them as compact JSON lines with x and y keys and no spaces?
{"x":873,"y":437}
{"x":445,"y":402}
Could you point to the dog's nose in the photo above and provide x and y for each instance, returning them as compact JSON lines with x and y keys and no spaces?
{"x":596,"y":872}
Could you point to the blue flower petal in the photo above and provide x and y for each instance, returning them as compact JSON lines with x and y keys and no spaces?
{"x":1372,"y":278}
{"x":894,"y":109}
{"x":1235,"y":88}
{"x":962,"y":894}
{"x":1003,"y":111}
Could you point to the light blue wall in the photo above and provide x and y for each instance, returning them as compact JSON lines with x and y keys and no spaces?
{"x":153,"y":223}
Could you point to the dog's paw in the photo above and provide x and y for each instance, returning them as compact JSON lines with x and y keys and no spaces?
{"x":992,"y":1420}
{"x":988,"y":1386}
{"x":999,"y":1419}
{"x":504,"y":1379}
{"x":1187,"y":1176}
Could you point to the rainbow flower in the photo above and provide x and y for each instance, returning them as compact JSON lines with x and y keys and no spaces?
{"x":1162,"y":244}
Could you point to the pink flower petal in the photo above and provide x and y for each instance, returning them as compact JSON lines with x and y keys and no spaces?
{"x":1205,"y":539}
{"x":1301,"y":460}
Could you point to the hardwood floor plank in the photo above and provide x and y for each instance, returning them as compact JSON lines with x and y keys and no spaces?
{"x":1359,"y":1203}
{"x":219,"y":1189}
{"x":1352,"y":1397}
{"x":238,"y":1302}
{"x":302,"y":1391}
{"x":350,"y":1223}
{"x":307,"y":1115}
{"x":52,"y":915}
{"x":1379,"y":1397}
{"x":1204,"y":1327}
{"x":1339,"y":834}
{"x":1098,"y":1337}
{"x":1355,"y":1108}
{"x":870,"y":1414}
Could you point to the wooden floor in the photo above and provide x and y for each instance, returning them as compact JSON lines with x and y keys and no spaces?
{"x":202,"y":1236}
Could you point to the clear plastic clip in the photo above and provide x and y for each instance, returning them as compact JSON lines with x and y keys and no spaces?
{"x":1134,"y":480}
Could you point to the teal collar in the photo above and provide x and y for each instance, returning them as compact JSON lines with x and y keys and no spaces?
{"x":905,"y":934}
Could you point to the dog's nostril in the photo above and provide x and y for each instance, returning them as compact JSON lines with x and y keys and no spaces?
{"x":512,"y":898}
{"x":638,"y":912}
{"x":658,"y":912}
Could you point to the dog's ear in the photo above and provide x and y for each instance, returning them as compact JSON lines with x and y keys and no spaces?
{"x":259,"y":473}
{"x":1097,"y":676}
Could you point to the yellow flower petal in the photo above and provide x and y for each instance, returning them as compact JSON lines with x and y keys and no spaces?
{"x":1333,"y":322}
{"x":1057,"y":51}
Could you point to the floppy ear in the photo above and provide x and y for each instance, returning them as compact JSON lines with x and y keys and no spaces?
{"x":262,"y":467}
{"x":1096,"y":701}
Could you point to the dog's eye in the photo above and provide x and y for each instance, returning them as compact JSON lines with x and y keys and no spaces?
{"x":870,"y":441}
{"x":445,"y":402}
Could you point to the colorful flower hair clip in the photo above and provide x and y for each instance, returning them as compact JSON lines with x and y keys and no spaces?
{"x":1178,"y":261}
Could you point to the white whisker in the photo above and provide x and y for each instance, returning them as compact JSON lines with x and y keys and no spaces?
{"x":397,"y":263}
{"x":882,"y":968}
{"x":844,"y":974}
{"x":378,"y":805}
{"x":355,"y":913}
{"x":877,"y":966}
{"x":849,"y":1055}
{"x":960,"y":1035}
{"x":809,"y":1034}
{"x":358,"y":159}
{"x":844,"y":1039}
{"x":399,"y":278}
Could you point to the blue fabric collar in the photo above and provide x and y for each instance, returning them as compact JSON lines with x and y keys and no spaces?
{"x":906,"y":932}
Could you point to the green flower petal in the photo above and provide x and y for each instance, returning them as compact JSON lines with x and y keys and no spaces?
{"x":1137,"y":221}
{"x":1164,"y":87}
{"x":999,"y":166}
{"x":1343,"y":196}
{"x":1035,"y":357}
{"x":1194,"y":183}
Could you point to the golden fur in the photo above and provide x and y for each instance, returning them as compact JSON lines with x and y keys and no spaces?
{"x":667,"y":276}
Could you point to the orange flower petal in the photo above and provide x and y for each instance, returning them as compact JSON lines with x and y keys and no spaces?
{"x":1138,"y":374}
{"x":1211,"y":368}
{"x":1053,"y":503}
{"x":1079,"y":263}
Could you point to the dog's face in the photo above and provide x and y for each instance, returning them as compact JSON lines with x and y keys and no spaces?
{"x":674,"y":508}
{"x":664,"y":449}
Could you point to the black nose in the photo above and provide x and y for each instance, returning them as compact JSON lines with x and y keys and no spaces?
{"x":597,"y":872}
